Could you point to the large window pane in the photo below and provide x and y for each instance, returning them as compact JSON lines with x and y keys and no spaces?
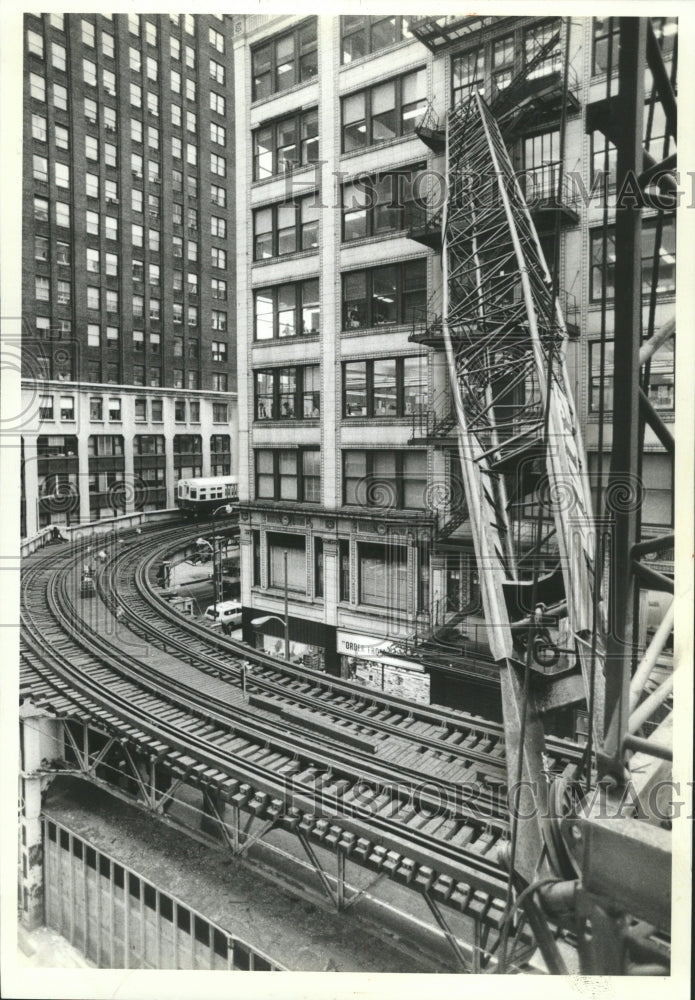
{"x":287,"y":228}
{"x":354,"y":474}
{"x":414,"y":479}
{"x":385,"y":295}
{"x":264,"y":315}
{"x":414,"y":385}
{"x":355,"y":300}
{"x":384,"y":390}
{"x":263,"y":153}
{"x":354,"y":122}
{"x":356,"y":389}
{"x":287,"y":466}
{"x":311,"y":316}
{"x":263,"y":228}
{"x":287,"y":302}
{"x":384,"y":112}
{"x":264,"y":475}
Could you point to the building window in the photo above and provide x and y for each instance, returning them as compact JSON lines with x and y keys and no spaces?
{"x":293,"y":474}
{"x":93,"y":297}
{"x":385,"y":479}
{"x":62,"y":214}
{"x":288,"y":393}
{"x":40,"y":168}
{"x":295,"y":547}
{"x":220,"y":455}
{"x":41,"y":247}
{"x":155,"y":343}
{"x":138,"y":340}
{"x":218,"y":196}
{"x":387,"y":203}
{"x":140,"y":409}
{"x":383,"y":112}
{"x":219,"y":258}
{"x":93,"y":335}
{"x":219,"y":320}
{"x":37,"y":87}
{"x":382,"y":575}
{"x":58,"y":55}
{"x":219,"y":288}
{"x":89,"y":72}
{"x":286,"y":228}
{"x":605,"y":50}
{"x":96,"y":408}
{"x":218,"y":165}
{"x":62,"y":175}
{"x":218,"y":134}
{"x":217,"y":72}
{"x":537,"y":37}
{"x":35,"y":43}
{"x":661,"y":388}
{"x":188,"y":456}
{"x":217,"y":103}
{"x":280,"y":146}
{"x":45,"y":407}
{"x":88,"y":33}
{"x":396,"y":293}
{"x":67,"y":408}
{"x":344,"y":570}
{"x":157,"y":412}
{"x":216,"y":40}
{"x":218,"y":381}
{"x":384,"y":387}
{"x":218,"y":227}
{"x":219,"y":413}
{"x":287,"y":310}
{"x":43,"y":289}
{"x":62,"y":137}
{"x":666,"y":259}
{"x":150,"y":33}
{"x":41,"y":209}
{"x":219,"y":351}
{"x":180,"y":411}
{"x":318,"y":567}
{"x":285,"y":61}
{"x":362,"y":34}
{"x":38,"y":127}
{"x":193,"y":408}
{"x":114,"y":409}
{"x":63,"y":293}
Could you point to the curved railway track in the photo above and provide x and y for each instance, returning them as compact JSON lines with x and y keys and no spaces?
{"x":262,"y":757}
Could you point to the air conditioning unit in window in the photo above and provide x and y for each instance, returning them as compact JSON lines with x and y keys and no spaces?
{"x":112,"y":201}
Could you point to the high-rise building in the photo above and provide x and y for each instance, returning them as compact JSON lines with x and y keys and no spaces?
{"x":128,"y":348}
{"x":353,"y":515}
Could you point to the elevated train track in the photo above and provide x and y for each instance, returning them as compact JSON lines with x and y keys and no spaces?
{"x":332,"y":763}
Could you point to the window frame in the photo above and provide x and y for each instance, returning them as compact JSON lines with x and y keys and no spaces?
{"x":370,"y":388}
{"x":298,"y":228}
{"x":278,"y":474}
{"x":273,"y":293}
{"x":413,"y":210}
{"x":402,"y":290}
{"x":397,"y":486}
{"x":368,"y":26}
{"x":301,"y":144}
{"x":298,"y":56}
{"x":398,"y":110}
{"x":275,"y":396}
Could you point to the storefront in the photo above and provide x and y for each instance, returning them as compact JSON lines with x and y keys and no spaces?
{"x":368,"y":660}
{"x":312,"y":644}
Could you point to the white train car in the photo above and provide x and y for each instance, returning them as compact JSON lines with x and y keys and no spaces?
{"x":200,"y":497}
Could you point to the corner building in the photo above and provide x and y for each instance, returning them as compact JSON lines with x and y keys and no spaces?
{"x":347,"y":447}
{"x":128,"y":347}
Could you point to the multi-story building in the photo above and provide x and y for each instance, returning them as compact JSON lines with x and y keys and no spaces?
{"x":128,"y":261}
{"x":350,"y":482}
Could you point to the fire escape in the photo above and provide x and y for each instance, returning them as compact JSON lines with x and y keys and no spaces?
{"x":561,"y":629}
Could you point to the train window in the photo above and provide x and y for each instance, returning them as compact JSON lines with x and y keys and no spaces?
{"x":104,"y":866}
{"x":183,"y":919}
{"x":64,"y":840}
{"x":52,"y":831}
{"x":193,"y":494}
{"x":134,"y":886}
{"x":118,"y":876}
{"x":220,"y":944}
{"x":150,"y":897}
{"x":242,"y":959}
{"x":202,"y":931}
{"x":77,"y":848}
{"x":91,"y":858}
{"x":261,"y":964}
{"x":166,"y":907}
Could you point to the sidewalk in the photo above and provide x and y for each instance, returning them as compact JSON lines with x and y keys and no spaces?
{"x":46,"y":949}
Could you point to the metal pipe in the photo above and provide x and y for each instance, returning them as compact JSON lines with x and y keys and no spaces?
{"x":654,"y":650}
{"x":640,"y":745}
{"x":650,"y":705}
{"x":287,"y":620}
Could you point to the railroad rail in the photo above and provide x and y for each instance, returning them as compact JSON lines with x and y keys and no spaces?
{"x":351,"y":789}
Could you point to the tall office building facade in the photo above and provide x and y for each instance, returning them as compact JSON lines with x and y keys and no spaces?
{"x":128,"y":297}
{"x":352,"y":507}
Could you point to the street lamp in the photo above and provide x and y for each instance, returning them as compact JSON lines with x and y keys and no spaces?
{"x":216,"y":577}
{"x":257,"y":622}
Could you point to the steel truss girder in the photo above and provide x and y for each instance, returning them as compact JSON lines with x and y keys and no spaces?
{"x":493,"y":323}
{"x":141,"y":771}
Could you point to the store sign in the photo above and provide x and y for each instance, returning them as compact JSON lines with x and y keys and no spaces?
{"x":367,"y":647}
